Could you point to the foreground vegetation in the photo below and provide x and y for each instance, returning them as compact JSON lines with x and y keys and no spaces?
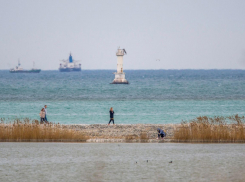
{"x":216,"y":129}
{"x":201,"y":129}
{"x":32,"y":130}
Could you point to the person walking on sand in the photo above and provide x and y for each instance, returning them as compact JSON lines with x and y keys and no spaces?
{"x":42,"y":116}
{"x":45,"y":109}
{"x":111,"y":116}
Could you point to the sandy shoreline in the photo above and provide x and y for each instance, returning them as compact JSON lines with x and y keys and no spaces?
{"x":122,"y":131}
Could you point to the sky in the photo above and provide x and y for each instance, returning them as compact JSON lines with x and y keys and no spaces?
{"x":183,"y":34}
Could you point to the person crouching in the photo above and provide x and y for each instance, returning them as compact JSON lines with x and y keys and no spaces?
{"x":161,"y":133}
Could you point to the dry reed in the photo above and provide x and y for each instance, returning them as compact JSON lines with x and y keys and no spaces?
{"x":33,"y":130}
{"x":141,"y":137}
{"x":131,"y":137}
{"x":216,"y":129}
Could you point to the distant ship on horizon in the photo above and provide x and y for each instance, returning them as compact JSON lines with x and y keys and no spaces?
{"x":19,"y":69}
{"x":69,"y":65}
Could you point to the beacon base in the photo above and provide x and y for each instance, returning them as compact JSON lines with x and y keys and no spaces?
{"x":120,"y":82}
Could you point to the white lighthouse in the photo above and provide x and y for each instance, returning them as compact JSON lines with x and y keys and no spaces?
{"x":120,"y":75}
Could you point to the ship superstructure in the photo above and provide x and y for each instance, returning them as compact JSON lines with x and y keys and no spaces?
{"x":120,"y":75}
{"x":19,"y":69}
{"x":69,"y":65}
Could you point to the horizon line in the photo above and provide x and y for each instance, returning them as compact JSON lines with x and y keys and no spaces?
{"x":142,"y":69}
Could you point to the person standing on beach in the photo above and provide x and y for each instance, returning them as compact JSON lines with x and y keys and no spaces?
{"x":45,"y":110}
{"x":111,"y":116}
{"x":42,"y":116}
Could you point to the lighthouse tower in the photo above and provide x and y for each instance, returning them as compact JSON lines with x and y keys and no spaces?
{"x":120,"y":75}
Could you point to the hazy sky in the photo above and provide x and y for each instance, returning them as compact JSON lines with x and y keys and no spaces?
{"x":183,"y":34}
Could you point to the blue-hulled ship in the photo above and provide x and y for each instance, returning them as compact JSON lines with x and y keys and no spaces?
{"x":70,"y":65}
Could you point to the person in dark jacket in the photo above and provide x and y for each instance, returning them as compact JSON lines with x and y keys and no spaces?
{"x":161,"y":133}
{"x":111,"y":116}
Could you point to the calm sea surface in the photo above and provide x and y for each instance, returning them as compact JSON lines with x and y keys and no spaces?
{"x":117,"y":162}
{"x":159,"y":96}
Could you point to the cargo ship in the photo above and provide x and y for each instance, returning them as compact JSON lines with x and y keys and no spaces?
{"x":69,"y":65}
{"x":19,"y":69}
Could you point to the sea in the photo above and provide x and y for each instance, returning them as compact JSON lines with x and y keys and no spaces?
{"x":152,"y":96}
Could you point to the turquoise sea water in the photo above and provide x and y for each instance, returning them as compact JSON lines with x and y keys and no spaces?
{"x":153,"y":96}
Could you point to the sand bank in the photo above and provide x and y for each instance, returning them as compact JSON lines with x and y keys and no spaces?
{"x":124,"y":132}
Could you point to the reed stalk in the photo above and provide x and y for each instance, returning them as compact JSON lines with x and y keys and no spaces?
{"x":216,"y":129}
{"x":33,"y":130}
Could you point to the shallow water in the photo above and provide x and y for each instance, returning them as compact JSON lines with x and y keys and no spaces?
{"x":117,"y":162}
{"x":153,"y":96}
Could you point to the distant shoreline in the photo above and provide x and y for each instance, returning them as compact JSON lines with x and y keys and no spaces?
{"x":146,"y":70}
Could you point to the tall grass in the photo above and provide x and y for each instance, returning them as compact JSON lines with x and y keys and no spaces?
{"x":32,"y":130}
{"x":216,"y":129}
{"x":141,"y":137}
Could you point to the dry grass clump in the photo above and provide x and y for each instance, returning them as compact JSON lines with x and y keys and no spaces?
{"x":131,"y":137}
{"x":32,"y":130}
{"x":214,"y":129}
{"x":141,"y":137}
